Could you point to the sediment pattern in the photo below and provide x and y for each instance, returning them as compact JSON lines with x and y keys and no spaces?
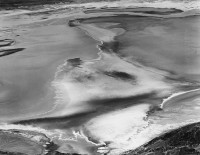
{"x":100,"y":81}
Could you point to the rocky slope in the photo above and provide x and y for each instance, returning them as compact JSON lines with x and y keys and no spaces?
{"x":182,"y":141}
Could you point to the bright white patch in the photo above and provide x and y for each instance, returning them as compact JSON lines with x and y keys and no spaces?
{"x":118,"y":127}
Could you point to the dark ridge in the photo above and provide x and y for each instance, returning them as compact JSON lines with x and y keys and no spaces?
{"x":182,"y":141}
{"x":56,"y":120}
{"x":106,"y":105}
{"x":6,"y":42}
{"x":75,"y":62}
{"x":147,"y":10}
{"x":10,"y":51}
{"x":120,"y":75}
{"x":124,"y":101}
{"x":161,"y":13}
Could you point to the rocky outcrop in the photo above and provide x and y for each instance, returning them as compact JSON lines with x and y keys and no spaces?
{"x":182,"y":141}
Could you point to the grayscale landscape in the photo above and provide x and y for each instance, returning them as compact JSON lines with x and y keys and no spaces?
{"x":99,"y":77}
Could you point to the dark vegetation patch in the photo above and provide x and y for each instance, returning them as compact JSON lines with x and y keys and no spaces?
{"x":10,"y":51}
{"x":75,"y":62}
{"x":120,"y":75}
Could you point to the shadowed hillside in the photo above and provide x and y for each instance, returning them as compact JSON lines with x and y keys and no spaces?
{"x":181,"y":141}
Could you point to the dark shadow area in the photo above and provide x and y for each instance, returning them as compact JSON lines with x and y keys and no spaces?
{"x":100,"y":106}
{"x":6,"y":42}
{"x":10,"y":51}
{"x":120,"y":75}
{"x":146,"y":10}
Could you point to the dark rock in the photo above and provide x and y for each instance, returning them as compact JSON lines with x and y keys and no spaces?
{"x":120,"y":75}
{"x":146,"y":10}
{"x":10,"y":51}
{"x":181,"y":141}
{"x":75,"y":62}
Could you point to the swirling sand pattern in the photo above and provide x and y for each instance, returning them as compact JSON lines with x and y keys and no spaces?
{"x":142,"y":80}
